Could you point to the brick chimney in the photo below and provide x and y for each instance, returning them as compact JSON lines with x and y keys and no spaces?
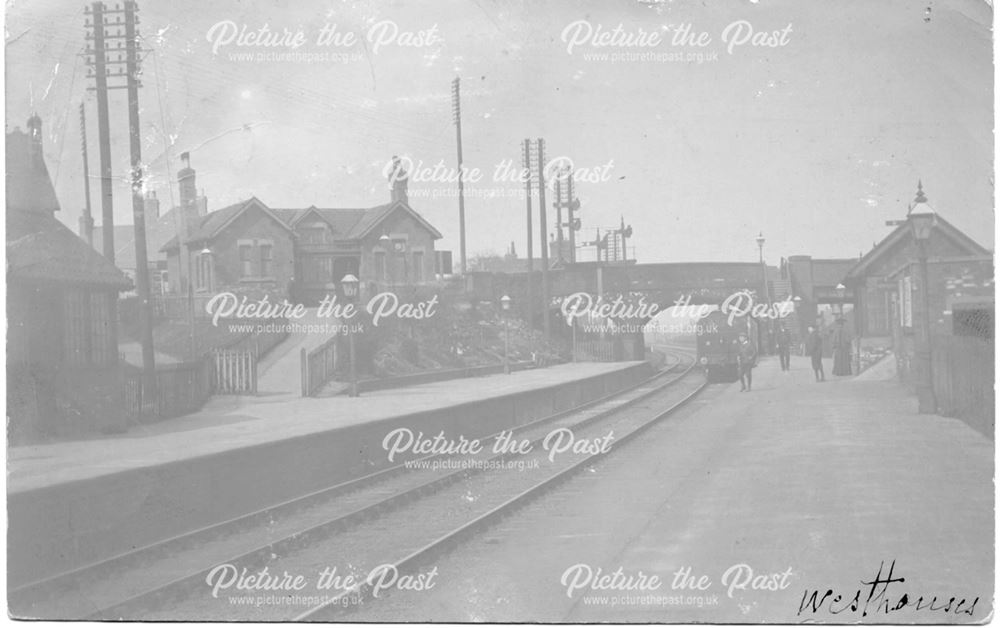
{"x":188,"y":196}
{"x":399,"y":181}
{"x":202,"y":203}
{"x":186,"y":181}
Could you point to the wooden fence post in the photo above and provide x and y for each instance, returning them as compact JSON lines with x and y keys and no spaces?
{"x":253,"y":370}
{"x":304,"y":371}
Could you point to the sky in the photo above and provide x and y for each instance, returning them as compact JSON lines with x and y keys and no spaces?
{"x":814,"y":142}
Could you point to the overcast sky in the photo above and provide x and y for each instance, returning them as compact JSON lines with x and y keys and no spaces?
{"x":816,"y":142}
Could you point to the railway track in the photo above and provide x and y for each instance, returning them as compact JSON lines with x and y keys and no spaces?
{"x":162,"y":578}
{"x":510,"y":495}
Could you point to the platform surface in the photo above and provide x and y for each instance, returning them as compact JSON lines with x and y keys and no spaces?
{"x":830,"y":481}
{"x":827,"y":482}
{"x":231,"y":422}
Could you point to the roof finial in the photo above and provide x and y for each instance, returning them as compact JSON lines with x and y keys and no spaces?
{"x":920,"y":193}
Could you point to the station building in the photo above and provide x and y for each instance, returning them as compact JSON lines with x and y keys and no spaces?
{"x":64,"y":376}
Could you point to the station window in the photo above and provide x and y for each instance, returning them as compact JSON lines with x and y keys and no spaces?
{"x":266,"y":259}
{"x":246,"y":260}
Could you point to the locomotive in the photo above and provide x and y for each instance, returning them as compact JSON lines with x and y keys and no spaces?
{"x":718,"y":343}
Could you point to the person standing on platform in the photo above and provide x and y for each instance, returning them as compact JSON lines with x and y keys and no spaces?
{"x":841,"y":349}
{"x":746,"y":359}
{"x":814,"y":347}
{"x":784,"y":341}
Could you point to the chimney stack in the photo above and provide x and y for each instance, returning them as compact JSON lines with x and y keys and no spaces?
{"x":188,"y":196}
{"x":186,"y":182}
{"x":202,"y":202}
{"x":399,"y":181}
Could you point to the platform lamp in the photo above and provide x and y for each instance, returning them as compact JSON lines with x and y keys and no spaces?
{"x":349,"y":284}
{"x":190,"y":295}
{"x":922,"y":225}
{"x":383,"y":240}
{"x":766,"y":296}
{"x":505,"y":301}
{"x":841,"y":293}
{"x":207,"y":252}
{"x":797,"y":308}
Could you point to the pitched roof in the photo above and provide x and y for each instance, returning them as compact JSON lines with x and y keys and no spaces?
{"x":376,"y":215}
{"x":214,"y":222}
{"x":347,"y":223}
{"x":29,"y":187}
{"x":350,"y":223}
{"x":288,"y":216}
{"x":903,"y":232}
{"x":340,"y":220}
{"x":40,"y":248}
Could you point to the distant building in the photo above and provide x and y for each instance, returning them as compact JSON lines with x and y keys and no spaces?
{"x":812,"y":283}
{"x":64,"y":375}
{"x":304,"y":253}
{"x":385,"y":246}
{"x":160,"y":229}
{"x":245,"y":247}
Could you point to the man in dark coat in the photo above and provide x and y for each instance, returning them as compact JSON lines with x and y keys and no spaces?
{"x":784,"y":341}
{"x":746,"y":359}
{"x":814,"y":347}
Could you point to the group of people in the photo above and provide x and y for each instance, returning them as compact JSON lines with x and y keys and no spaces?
{"x":746,"y":358}
{"x":841,"y":341}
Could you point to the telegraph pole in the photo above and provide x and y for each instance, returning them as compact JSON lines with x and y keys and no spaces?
{"x":544,"y":240}
{"x":125,"y":31}
{"x":132,"y":69}
{"x":558,"y":204}
{"x":87,"y":220}
{"x":98,"y":21}
{"x":526,"y":163}
{"x":456,"y":107}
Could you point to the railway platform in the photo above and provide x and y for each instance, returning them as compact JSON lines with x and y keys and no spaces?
{"x":73,"y":503}
{"x":828,"y":482}
{"x":824,"y":482}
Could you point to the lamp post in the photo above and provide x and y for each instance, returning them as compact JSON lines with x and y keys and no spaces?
{"x":349,"y":284}
{"x":763,"y":272}
{"x":387,"y":247}
{"x":573,"y":324}
{"x":797,"y":305}
{"x":922,"y":225}
{"x":205,"y":252}
{"x":505,"y":306}
{"x":841,"y":293}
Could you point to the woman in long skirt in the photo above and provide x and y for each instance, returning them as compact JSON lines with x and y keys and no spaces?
{"x":841,"y":349}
